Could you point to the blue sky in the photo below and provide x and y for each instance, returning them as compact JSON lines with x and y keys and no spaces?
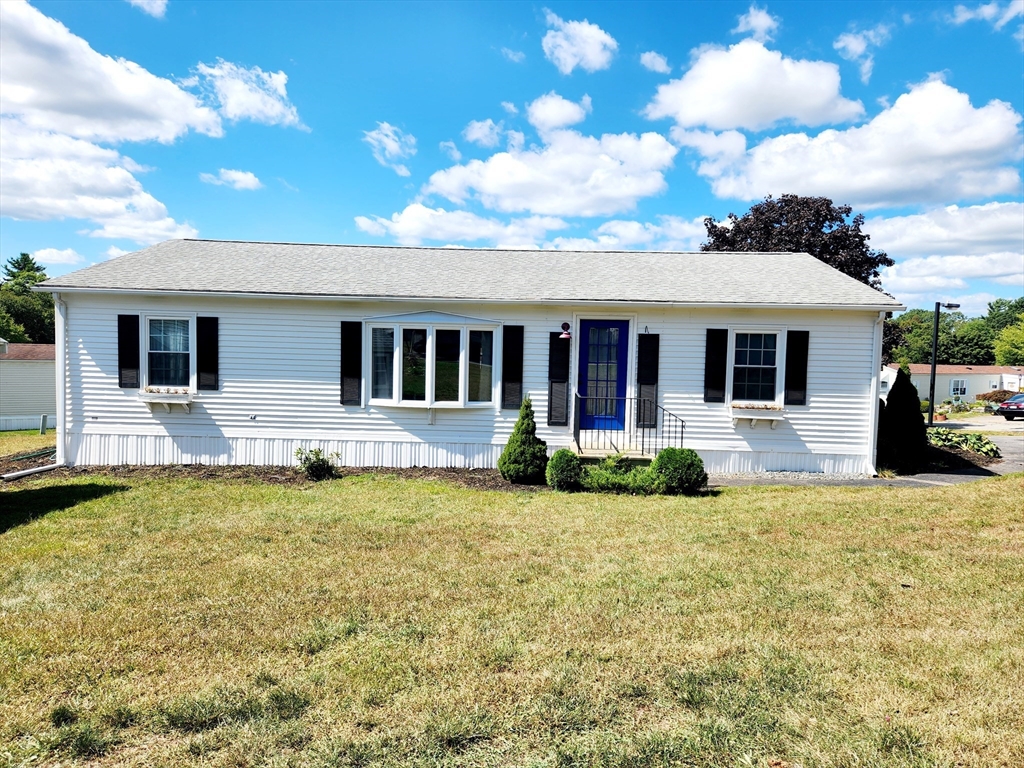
{"x":568,"y":125}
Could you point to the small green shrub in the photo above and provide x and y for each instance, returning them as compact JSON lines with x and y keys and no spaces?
{"x":968,"y":441}
{"x":924,"y":406}
{"x":316,"y":465}
{"x":565,"y":471}
{"x":525,"y":456}
{"x":681,"y":470}
{"x":616,"y":474}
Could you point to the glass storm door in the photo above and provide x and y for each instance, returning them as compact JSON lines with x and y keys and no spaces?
{"x":602,"y":377}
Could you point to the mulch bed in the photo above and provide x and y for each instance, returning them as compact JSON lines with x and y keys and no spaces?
{"x":478,"y":479}
{"x":951,"y":457}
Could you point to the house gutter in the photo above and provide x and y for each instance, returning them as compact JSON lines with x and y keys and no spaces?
{"x":478,"y":300}
{"x":60,"y":317}
{"x":876,"y":394}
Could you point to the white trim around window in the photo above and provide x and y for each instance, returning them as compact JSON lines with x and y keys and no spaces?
{"x":430,"y":365}
{"x":144,"y":342}
{"x":779,"y":331}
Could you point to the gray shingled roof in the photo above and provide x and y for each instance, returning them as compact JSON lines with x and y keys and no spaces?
{"x":363,"y":271}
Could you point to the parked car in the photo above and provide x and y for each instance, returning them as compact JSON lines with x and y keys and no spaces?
{"x":1012,"y":408}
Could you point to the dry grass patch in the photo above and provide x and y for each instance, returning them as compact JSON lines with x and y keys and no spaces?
{"x":21,"y":441}
{"x":370,"y":621}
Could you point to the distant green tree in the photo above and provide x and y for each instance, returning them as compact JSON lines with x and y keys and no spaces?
{"x":917,"y":335}
{"x":21,"y":265}
{"x":971,"y":343}
{"x":1003,"y":312}
{"x":29,"y":310}
{"x":1010,"y":344}
{"x":792,"y":224}
{"x":892,"y":341}
{"x":10,"y":330}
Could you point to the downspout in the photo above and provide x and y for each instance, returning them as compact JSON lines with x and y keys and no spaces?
{"x":60,"y":349}
{"x":876,"y":394}
{"x":60,"y":355}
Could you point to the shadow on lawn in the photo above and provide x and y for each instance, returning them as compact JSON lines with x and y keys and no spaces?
{"x":25,"y":505}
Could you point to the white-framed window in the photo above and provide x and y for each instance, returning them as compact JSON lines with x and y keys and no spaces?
{"x":432,"y":364}
{"x":169,"y":343}
{"x":755,"y":366}
{"x":958,"y":387}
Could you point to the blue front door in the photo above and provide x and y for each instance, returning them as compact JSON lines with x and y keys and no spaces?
{"x":602,"y":378}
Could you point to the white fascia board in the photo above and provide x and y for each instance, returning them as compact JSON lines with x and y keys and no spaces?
{"x":475,"y":300}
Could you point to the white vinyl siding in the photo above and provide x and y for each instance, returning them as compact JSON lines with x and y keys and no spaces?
{"x":27,"y":391}
{"x":280,"y":388}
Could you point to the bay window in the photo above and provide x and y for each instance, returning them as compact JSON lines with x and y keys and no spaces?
{"x":431,"y":365}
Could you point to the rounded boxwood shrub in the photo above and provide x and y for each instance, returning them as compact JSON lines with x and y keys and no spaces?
{"x":681,"y":470}
{"x":525,"y":456}
{"x":565,"y":471}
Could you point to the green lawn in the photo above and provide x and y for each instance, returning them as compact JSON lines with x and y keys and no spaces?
{"x":26,"y":441}
{"x":376,"y":621}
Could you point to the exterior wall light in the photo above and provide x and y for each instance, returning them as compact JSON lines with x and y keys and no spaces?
{"x":565,"y":332}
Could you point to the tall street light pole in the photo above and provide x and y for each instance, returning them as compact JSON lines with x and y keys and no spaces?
{"x":935,"y":353}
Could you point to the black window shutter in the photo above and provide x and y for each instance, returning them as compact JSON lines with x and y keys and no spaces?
{"x":647,"y":349}
{"x":558,"y":380}
{"x":716,"y":352}
{"x":128,"y":351}
{"x":351,"y":363}
{"x":208,"y":352}
{"x":796,"y":367}
{"x":512,"y":366}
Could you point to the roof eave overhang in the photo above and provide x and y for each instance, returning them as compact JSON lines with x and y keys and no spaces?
{"x":448,"y":299}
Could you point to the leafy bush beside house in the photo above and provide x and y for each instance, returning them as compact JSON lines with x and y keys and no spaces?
{"x":525,"y":456}
{"x":673,"y":471}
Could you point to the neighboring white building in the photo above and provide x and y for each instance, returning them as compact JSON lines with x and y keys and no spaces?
{"x":27,"y":385}
{"x":964,"y":381}
{"x":237,"y":353}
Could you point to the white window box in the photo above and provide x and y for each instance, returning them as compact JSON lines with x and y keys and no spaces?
{"x":770,"y":413}
{"x":154,"y":396}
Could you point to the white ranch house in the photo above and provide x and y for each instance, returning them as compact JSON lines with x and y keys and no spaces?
{"x":217,"y":352}
{"x":964,"y":381}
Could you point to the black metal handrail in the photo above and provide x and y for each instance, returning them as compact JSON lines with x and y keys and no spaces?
{"x":646,"y":427}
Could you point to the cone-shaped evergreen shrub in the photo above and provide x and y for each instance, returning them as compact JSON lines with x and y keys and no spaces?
{"x":525,"y":456}
{"x":902,"y":435}
{"x":565,"y":471}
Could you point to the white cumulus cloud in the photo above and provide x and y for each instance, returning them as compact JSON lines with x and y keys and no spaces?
{"x":390,"y":144}
{"x":975,"y":229}
{"x":509,"y":107}
{"x":236,"y":179}
{"x":997,"y":14}
{"x":931,"y":146}
{"x":551,"y":111}
{"x":569,"y":175}
{"x":749,"y":86}
{"x":54,"y":81}
{"x":571,"y":44}
{"x":857,"y":47}
{"x":113,"y":252}
{"x":52,"y":256}
{"x":516,"y":57}
{"x":655,"y":62}
{"x":760,"y":24}
{"x":418,"y":223}
{"x":249,"y":94}
{"x":155,"y":8}
{"x":486,"y":133}
{"x":449,"y":148}
{"x":50,"y":176}
{"x":671,"y":233}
